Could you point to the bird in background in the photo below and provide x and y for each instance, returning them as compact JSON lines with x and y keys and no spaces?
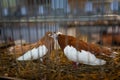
{"x":39,"y":49}
{"x":79,"y":51}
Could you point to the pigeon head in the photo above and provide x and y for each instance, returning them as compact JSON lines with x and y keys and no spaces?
{"x":55,"y":35}
{"x":48,"y":33}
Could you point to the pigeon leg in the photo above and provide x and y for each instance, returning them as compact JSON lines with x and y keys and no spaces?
{"x":75,"y":65}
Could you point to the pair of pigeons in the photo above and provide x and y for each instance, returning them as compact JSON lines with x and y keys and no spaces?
{"x":75,"y":50}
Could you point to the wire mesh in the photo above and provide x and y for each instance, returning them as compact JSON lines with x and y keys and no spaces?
{"x":23,"y":27}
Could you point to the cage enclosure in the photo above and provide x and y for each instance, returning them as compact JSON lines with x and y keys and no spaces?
{"x":60,"y":39}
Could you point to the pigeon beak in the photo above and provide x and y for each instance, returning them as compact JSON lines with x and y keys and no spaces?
{"x":54,"y":35}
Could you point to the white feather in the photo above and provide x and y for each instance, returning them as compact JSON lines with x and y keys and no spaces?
{"x":35,"y":53}
{"x":84,"y":57}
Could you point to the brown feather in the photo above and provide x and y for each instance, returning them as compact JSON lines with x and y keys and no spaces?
{"x":47,"y":41}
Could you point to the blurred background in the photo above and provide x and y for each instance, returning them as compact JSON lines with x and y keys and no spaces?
{"x":83,"y":17}
{"x":26,"y":22}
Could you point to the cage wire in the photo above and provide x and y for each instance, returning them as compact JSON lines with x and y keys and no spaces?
{"x":26,"y":26}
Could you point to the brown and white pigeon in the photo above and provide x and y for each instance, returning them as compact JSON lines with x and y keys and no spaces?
{"x":39,"y":49}
{"x":79,"y":51}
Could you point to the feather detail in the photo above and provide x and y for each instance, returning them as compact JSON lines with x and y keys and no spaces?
{"x":35,"y":53}
{"x":82,"y":56}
